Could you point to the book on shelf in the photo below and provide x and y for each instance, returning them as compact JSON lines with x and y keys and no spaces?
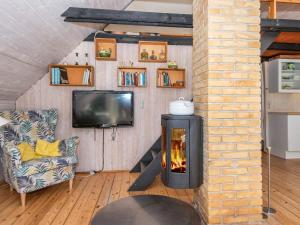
{"x":55,"y":76}
{"x":86,"y":77}
{"x":164,"y":79}
{"x":126,"y":78}
{"x":63,"y":76}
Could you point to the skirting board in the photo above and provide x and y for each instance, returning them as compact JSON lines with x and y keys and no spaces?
{"x":288,"y":154}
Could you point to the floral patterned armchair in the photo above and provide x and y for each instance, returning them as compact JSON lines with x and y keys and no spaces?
{"x":28,"y":176}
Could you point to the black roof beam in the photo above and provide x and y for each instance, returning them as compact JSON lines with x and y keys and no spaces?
{"x":87,"y":15}
{"x":280,"y":25}
{"x":284,"y":47}
{"x":133,"y":39}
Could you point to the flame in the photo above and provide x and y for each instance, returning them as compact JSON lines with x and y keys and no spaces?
{"x":164,"y":160}
{"x":178,"y":159}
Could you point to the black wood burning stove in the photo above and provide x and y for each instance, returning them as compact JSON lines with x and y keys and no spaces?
{"x":182,"y":151}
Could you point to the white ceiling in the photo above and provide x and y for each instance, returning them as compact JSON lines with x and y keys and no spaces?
{"x":33,"y":34}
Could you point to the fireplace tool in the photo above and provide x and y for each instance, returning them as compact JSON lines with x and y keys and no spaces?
{"x":268,"y":209}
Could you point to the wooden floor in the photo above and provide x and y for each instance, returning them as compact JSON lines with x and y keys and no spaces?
{"x":285,"y":190}
{"x":55,"y":205}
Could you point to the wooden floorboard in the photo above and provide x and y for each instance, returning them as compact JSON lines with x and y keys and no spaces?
{"x":56,"y":205}
{"x":285,"y":190}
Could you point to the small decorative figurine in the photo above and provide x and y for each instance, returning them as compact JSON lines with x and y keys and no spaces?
{"x":153,"y":56}
{"x":144,"y":55}
{"x":76,"y":62}
{"x":105,"y":53}
{"x":162,"y":55}
{"x":86,"y":58}
{"x":172,"y":65}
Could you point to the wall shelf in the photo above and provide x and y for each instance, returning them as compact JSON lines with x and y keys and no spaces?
{"x":284,"y":76}
{"x":170,"y":78}
{"x":106,"y":44}
{"x":153,"y":51}
{"x":73,"y":74}
{"x":132,"y":77}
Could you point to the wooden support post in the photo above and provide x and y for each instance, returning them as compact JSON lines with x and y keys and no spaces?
{"x":71,"y":184}
{"x":273,"y":9}
{"x":23,"y":200}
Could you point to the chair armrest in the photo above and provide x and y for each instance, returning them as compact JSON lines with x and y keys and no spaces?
{"x":13,"y":153}
{"x":69,"y":146}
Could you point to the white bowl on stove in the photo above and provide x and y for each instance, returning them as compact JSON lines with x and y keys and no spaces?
{"x":181,"y":107}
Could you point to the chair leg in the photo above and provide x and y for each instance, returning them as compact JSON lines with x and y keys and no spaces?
{"x":23,"y":199}
{"x":11,"y":188}
{"x":70,"y":185}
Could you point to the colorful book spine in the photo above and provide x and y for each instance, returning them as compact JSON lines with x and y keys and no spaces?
{"x":87,"y":77}
{"x":58,"y":76}
{"x":55,"y":79}
{"x":120,"y":76}
{"x":131,"y":78}
{"x":52,"y":75}
{"x":142,"y":79}
{"x":127,"y":81}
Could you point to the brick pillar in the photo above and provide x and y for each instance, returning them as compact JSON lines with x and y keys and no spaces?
{"x":226,"y":89}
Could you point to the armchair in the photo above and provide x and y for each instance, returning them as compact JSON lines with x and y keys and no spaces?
{"x":28,"y":176}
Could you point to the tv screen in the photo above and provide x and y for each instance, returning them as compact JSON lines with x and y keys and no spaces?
{"x":102,"y":109}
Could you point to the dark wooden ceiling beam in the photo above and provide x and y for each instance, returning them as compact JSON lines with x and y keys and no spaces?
{"x":284,"y":47}
{"x":133,"y":39}
{"x":87,"y":15}
{"x":267,"y":38}
{"x":281,"y":25}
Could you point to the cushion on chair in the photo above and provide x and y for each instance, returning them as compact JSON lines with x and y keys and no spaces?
{"x":27,"y":152}
{"x":45,"y":148}
{"x":44,"y":164}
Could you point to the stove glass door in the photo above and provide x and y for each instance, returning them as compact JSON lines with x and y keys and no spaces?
{"x":178,"y":150}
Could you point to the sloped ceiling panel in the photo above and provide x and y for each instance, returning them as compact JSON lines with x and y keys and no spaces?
{"x":33,"y":34}
{"x":284,"y":11}
{"x":162,"y":6}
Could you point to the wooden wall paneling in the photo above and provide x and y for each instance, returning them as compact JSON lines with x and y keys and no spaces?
{"x":150,"y":103}
{"x":7,"y":105}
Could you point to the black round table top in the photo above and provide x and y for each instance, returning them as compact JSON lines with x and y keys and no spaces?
{"x":147,"y":210}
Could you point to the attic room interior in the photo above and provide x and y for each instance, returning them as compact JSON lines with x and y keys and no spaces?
{"x":152,"y":112}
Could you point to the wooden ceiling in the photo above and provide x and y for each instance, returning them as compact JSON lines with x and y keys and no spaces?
{"x":33,"y":34}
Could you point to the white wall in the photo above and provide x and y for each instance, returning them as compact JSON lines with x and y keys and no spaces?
{"x":150,"y":103}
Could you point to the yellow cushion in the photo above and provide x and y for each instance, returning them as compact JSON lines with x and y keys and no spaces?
{"x":45,"y":148}
{"x":27,"y":152}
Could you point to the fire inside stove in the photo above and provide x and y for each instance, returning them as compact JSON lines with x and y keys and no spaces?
{"x":178,"y":151}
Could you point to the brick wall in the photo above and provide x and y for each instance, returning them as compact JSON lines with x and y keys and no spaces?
{"x":226,"y":87}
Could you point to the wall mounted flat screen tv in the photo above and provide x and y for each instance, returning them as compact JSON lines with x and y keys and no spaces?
{"x":102,"y":109}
